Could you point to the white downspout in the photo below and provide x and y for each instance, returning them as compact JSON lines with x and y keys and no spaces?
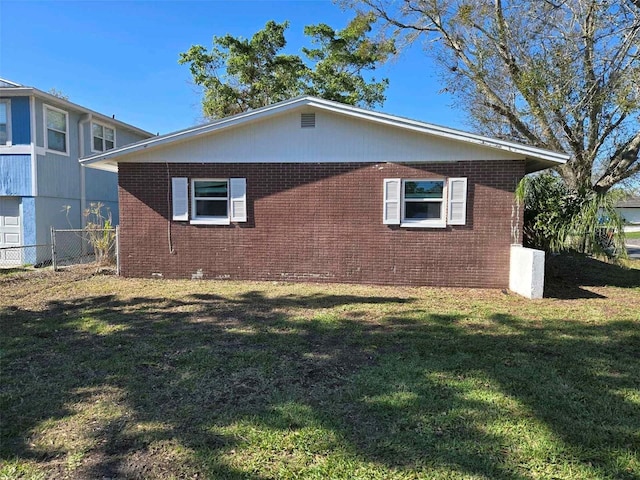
{"x":86,"y":118}
{"x":34,"y":144}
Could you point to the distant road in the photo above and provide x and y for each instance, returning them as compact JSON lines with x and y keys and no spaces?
{"x":633,"y":248}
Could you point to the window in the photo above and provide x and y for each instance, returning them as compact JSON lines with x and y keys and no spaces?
{"x":214,"y":201}
{"x":103,"y":137}
{"x":5,"y":122}
{"x":57,"y":126}
{"x":425,"y":202}
{"x":210,"y":200}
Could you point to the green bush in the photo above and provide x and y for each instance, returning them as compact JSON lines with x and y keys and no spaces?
{"x":557,"y":218}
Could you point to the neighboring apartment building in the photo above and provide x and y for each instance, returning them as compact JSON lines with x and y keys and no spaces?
{"x":41,"y":139}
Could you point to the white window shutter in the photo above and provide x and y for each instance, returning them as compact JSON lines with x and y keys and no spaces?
{"x":457,"y":195}
{"x":180,"y":198}
{"x":392,"y":201}
{"x":238,"y":196}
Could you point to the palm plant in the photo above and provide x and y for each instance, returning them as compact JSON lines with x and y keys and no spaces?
{"x":557,"y":218}
{"x":100,"y":232}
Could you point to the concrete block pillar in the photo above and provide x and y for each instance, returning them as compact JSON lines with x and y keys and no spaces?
{"x":526,"y":272}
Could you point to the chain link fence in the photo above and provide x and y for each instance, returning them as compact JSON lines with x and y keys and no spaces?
{"x":18,"y":256}
{"x":97,"y":246}
{"x":69,"y":247}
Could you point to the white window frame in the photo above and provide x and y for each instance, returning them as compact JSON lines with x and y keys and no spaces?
{"x":103,"y":138}
{"x":7,"y":102}
{"x":46,"y":107}
{"x":207,"y":220}
{"x":425,"y":223}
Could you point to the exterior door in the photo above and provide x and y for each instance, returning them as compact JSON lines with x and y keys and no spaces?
{"x":10,"y":226}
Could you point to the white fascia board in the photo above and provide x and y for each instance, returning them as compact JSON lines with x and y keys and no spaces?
{"x":16,"y":91}
{"x":4,"y":80}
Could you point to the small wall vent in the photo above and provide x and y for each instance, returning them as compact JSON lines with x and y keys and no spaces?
{"x":308,"y":120}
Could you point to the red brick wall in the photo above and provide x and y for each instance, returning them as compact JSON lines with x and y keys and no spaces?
{"x":319,"y":222}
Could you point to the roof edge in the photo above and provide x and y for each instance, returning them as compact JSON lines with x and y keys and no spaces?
{"x":21,"y":89}
{"x":541,"y":155}
{"x":4,"y":80}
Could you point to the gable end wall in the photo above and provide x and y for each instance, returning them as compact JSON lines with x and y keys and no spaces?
{"x":319,"y":222}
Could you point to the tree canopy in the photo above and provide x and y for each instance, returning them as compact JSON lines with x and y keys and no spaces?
{"x":240,"y":74}
{"x":558,"y":74}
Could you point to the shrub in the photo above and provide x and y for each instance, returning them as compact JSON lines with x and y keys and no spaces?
{"x":557,"y":218}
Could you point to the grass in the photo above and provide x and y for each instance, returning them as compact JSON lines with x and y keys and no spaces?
{"x":632,"y":235}
{"x":119,"y":378}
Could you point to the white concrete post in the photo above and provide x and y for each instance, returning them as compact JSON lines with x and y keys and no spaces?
{"x":526,"y":272}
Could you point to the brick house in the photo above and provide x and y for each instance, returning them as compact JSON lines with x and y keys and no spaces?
{"x":309,"y":189}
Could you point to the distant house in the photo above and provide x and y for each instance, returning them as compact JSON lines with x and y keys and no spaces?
{"x":41,"y":138}
{"x":309,"y":189}
{"x":630,"y":210}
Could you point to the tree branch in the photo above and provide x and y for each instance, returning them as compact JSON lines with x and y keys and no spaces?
{"x":621,"y":164}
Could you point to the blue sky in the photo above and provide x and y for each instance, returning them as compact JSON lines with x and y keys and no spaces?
{"x":120,"y":57}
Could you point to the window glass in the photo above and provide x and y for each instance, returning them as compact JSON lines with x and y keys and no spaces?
{"x":109,"y":138}
{"x":423,"y":189}
{"x":211,"y":208}
{"x":103,"y":137}
{"x":56,"y":120}
{"x":211,"y":189}
{"x":423,"y":210}
{"x":56,"y":130}
{"x":109,"y":134}
{"x":56,"y":141}
{"x":3,"y":123}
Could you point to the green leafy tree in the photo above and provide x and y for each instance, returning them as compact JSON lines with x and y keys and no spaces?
{"x":562,"y":75}
{"x":239,"y":74}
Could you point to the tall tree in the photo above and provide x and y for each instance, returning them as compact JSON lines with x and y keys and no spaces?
{"x":243,"y":74}
{"x":557,"y":74}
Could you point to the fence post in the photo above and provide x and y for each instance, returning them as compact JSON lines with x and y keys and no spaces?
{"x":117,"y":249}
{"x":53,"y":249}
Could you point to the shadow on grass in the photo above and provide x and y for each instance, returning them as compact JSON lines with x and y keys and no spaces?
{"x":567,"y":274}
{"x":7,"y":271}
{"x":209,"y":377}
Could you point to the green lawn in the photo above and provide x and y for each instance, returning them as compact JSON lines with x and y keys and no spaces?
{"x":104,"y":377}
{"x":632,"y":235}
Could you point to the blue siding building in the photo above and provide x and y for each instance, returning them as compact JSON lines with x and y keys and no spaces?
{"x":42,"y":184}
